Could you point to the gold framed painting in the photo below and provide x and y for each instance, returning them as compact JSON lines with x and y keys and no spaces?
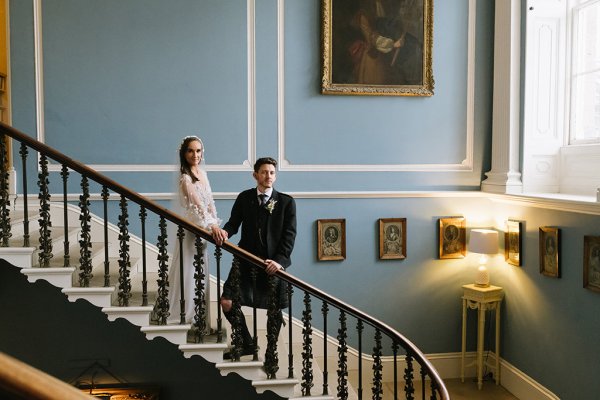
{"x":392,"y":238}
{"x":591,"y":263}
{"x":377,"y":47}
{"x":331,"y":239}
{"x":512,"y":242}
{"x":549,"y":245}
{"x":452,"y":237}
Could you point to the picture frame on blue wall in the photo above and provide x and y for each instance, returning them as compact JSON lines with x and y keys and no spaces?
{"x":591,"y":263}
{"x":512,"y":242}
{"x":549,"y":251}
{"x":331,"y":239}
{"x":392,"y":238}
{"x":452,"y":237}
{"x":377,"y":47}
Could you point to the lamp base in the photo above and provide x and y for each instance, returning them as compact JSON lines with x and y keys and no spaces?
{"x":482,"y":278}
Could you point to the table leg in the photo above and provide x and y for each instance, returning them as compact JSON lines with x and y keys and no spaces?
{"x":464,"y":340}
{"x":498,"y":343}
{"x":480,"y":333}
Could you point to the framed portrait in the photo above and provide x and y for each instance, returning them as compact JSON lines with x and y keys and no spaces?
{"x":392,"y":238}
{"x":591,"y":263}
{"x":550,"y":251}
{"x":452,"y":237}
{"x":331,"y":239}
{"x":377,"y":47}
{"x":512,"y":242}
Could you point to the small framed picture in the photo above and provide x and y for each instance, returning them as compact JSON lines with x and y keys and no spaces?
{"x":452,"y":237}
{"x":512,"y":242}
{"x":331,"y":239}
{"x":392,"y":238}
{"x":591,"y":263}
{"x":550,"y":251}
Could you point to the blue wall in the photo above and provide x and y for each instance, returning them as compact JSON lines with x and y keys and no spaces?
{"x":124,"y":81}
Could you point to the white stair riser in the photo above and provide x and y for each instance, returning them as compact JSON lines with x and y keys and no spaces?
{"x":59,"y":277}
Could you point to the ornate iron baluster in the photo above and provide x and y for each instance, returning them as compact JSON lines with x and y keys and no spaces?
{"x":4,"y":195}
{"x":143,"y":215}
{"x":307,"y":353}
{"x":162,"y":300}
{"x":290,"y":292}
{"x":359,"y":329}
{"x":85,"y":243}
{"x":342,"y":372}
{"x":180,"y":236}
{"x":273,"y":324}
{"x":23,"y":152}
{"x":253,"y":274}
{"x":423,"y":382}
{"x":45,"y":253}
{"x":236,"y":326}
{"x":395,"y":352}
{"x":64,"y":173}
{"x":434,"y":389}
{"x":325,"y":310}
{"x":199,"y":326}
{"x":377,"y":388}
{"x":106,"y":261}
{"x":218,"y":253}
{"x":124,"y":261}
{"x":409,"y":389}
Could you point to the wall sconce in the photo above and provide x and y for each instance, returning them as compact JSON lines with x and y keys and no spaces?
{"x":484,"y":242}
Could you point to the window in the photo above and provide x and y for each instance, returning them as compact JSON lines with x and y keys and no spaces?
{"x":561,"y":122}
{"x":585,"y":74}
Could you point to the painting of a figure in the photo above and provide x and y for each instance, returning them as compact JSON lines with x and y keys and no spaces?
{"x":392,"y":238}
{"x":331,"y":239}
{"x":452,"y":237}
{"x":591,"y":263}
{"x":549,"y":244}
{"x":378,"y":47}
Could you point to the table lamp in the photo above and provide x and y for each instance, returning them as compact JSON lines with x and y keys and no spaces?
{"x":484,"y":242}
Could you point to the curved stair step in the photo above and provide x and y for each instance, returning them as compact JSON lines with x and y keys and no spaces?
{"x":20,"y":257}
{"x":59,"y":277}
{"x":212,"y":352}
{"x":139,"y":316}
{"x":176,"y":334}
{"x":251,"y":370}
{"x":283,"y":387}
{"x":98,"y":296}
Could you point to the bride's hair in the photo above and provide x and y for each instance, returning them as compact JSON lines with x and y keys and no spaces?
{"x":184,"y":167}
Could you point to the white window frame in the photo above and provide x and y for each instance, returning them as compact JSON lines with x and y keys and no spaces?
{"x":550,"y":164}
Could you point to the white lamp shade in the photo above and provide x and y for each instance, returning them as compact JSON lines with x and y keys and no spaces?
{"x":483,"y":241}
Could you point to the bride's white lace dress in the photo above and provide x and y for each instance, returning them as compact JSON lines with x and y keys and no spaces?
{"x":198,"y":207}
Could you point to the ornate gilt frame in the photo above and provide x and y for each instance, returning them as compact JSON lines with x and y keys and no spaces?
{"x":392,"y":248}
{"x":549,"y":251}
{"x":329,"y":86}
{"x":452,"y":237}
{"x":331,"y":248}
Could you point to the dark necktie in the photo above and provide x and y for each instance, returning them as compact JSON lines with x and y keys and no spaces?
{"x":263,"y":199}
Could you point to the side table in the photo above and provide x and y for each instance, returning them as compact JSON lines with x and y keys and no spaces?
{"x":481,"y":299}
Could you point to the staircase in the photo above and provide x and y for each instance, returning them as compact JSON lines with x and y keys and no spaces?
{"x":70,"y":235}
{"x":104,"y":298}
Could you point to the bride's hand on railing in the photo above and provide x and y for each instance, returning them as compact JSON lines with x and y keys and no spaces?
{"x":219,"y":235}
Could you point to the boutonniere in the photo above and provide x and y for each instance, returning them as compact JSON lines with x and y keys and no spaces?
{"x":271,"y":206}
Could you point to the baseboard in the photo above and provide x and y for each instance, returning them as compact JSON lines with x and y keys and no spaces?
{"x":511,"y":378}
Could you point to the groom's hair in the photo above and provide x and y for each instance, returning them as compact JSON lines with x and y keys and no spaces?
{"x":264,"y":160}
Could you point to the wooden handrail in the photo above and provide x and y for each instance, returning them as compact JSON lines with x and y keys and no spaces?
{"x":75,"y":165}
{"x":27,"y":382}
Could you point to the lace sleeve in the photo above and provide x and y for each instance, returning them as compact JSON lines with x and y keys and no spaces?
{"x":196,"y":199}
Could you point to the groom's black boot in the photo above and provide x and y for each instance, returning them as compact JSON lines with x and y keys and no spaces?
{"x":247,"y":341}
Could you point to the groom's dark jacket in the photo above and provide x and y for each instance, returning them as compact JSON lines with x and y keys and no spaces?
{"x":279,"y":221}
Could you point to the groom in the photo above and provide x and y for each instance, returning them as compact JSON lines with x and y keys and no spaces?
{"x":268,"y":220}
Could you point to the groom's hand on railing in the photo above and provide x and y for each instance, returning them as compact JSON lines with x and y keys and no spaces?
{"x":219,"y":235}
{"x":272,"y":267}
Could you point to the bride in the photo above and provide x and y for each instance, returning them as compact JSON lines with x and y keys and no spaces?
{"x":195,"y":197}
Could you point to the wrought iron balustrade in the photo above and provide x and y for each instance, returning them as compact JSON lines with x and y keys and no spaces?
{"x":404,"y":353}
